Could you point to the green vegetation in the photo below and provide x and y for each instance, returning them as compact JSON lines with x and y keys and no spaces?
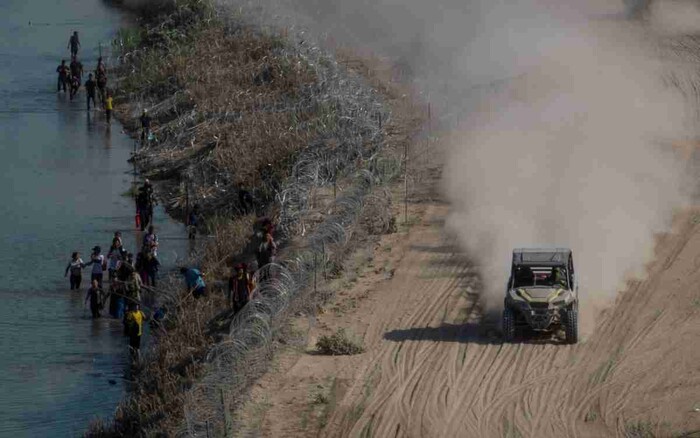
{"x":338,"y":344}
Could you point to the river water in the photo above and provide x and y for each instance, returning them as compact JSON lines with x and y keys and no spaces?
{"x":63,"y":173}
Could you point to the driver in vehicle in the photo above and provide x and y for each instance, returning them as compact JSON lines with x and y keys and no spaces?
{"x":557,"y":277}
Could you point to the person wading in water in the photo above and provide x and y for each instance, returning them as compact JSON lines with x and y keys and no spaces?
{"x":133,"y":328}
{"x":62,"y":71}
{"x":109,"y":106}
{"x":94,"y":294}
{"x":75,"y":267}
{"x":99,"y":264}
{"x":90,"y":87}
{"x":101,"y":76}
{"x":74,"y":43}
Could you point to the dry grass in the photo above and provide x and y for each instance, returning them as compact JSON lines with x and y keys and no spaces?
{"x":338,"y":344}
{"x":232,"y":105}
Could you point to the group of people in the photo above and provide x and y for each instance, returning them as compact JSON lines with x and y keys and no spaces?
{"x":70,"y":78}
{"x":126,"y":278}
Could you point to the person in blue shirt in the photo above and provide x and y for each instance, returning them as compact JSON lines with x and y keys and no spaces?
{"x":195,"y":281}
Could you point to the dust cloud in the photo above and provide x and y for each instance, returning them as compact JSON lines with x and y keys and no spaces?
{"x":574,"y":151}
{"x":558,"y":121}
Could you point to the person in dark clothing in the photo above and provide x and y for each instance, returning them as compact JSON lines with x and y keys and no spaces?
{"x":152,"y":265}
{"x":126,"y":268}
{"x":94,"y":294}
{"x":90,"y":87}
{"x":145,"y":201}
{"x":74,"y":86}
{"x":76,"y":69}
{"x":74,"y":44}
{"x":145,"y":126}
{"x":100,"y":69}
{"x":192,"y":222}
{"x":102,"y":87}
{"x":62,"y":71}
{"x":240,"y":287}
{"x":266,"y":251}
{"x":245,"y":199}
{"x":75,"y":267}
{"x":140,"y":265}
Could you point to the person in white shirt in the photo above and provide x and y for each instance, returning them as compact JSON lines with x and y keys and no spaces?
{"x":75,"y":266}
{"x":99,"y":264}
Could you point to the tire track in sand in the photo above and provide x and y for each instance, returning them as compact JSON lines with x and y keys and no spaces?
{"x":441,"y":374}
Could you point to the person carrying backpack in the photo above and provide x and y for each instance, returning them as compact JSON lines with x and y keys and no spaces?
{"x":75,"y":266}
{"x":99,"y":265}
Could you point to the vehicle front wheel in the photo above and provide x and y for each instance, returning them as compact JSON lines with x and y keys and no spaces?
{"x":508,"y":324}
{"x":571,"y":324}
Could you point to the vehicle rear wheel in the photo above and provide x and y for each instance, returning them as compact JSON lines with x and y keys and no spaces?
{"x":508,"y":324}
{"x":571,"y":324}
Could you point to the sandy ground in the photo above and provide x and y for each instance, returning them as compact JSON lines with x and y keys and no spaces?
{"x":435,"y":366}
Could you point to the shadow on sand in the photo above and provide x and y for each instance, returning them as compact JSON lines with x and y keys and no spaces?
{"x":469,"y":333}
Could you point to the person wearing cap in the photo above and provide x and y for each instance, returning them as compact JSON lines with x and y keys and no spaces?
{"x":194,"y":279}
{"x":99,"y":264}
{"x":240,"y":287}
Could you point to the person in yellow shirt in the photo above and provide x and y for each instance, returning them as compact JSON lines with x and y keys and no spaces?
{"x":133,"y":328}
{"x":109,"y":105}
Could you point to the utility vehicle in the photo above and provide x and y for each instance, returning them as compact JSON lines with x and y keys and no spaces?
{"x":542,"y":293}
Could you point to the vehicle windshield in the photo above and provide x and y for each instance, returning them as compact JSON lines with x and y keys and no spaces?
{"x":535,"y":276}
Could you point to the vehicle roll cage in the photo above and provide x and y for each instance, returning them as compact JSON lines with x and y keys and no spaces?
{"x":543,"y":258}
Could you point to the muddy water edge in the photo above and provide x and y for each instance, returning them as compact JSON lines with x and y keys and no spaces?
{"x":64,"y":175}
